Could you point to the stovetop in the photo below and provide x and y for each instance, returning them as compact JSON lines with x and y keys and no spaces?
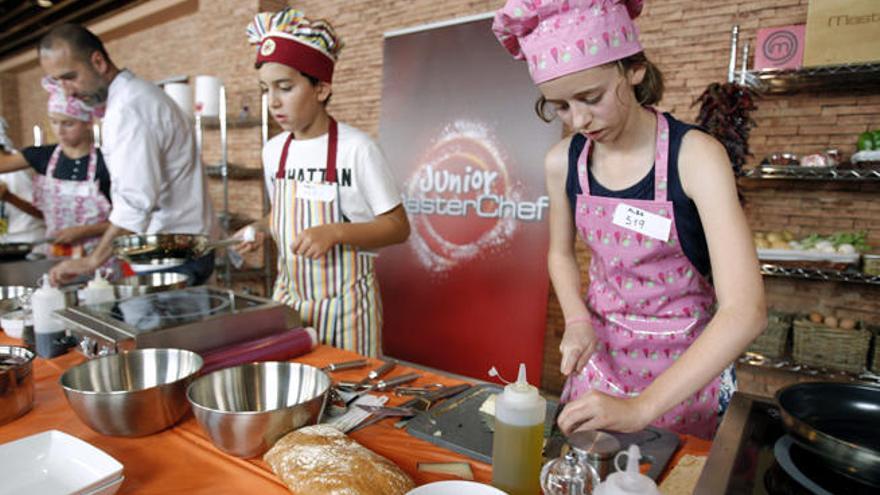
{"x":751,"y":454}
{"x":163,"y":310}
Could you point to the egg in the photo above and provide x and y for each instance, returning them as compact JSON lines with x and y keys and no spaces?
{"x":847,"y":323}
{"x":816,"y":317}
{"x":830,"y":321}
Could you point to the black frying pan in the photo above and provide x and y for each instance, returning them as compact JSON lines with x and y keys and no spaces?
{"x":838,"y":421}
{"x":14,"y":250}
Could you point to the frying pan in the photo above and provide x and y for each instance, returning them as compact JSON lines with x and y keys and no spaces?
{"x":165,"y":249}
{"x":14,"y":250}
{"x":838,"y":421}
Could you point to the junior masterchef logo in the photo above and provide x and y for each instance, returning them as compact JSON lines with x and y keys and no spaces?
{"x":462,"y":202}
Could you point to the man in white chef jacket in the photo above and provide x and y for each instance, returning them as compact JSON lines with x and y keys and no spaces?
{"x":157,"y":182}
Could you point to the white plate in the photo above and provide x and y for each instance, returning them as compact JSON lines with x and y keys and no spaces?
{"x":53,"y":462}
{"x":455,"y":488}
{"x":799,"y":255}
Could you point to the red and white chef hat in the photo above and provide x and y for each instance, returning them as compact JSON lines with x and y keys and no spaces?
{"x":288,"y":37}
{"x":560,"y":37}
{"x":62,"y":104}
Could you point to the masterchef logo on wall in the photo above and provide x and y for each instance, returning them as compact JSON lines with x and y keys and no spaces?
{"x":462,"y":201}
{"x":469,"y":289}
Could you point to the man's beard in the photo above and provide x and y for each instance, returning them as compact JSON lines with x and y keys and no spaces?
{"x":95,"y":98}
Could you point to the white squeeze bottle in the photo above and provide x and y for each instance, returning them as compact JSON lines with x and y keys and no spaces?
{"x":518,"y":437}
{"x":47,"y":329}
{"x":97,"y":291}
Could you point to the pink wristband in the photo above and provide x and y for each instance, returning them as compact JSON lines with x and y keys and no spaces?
{"x":578,"y":319}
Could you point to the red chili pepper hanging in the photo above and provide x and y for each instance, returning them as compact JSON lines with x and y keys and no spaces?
{"x":724,"y":113}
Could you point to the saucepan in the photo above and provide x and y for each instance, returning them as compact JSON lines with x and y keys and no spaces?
{"x":164,"y":250}
{"x":837,"y":421}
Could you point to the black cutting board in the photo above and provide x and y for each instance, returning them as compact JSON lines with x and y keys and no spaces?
{"x":461,"y":429}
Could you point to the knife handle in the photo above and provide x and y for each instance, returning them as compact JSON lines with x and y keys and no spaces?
{"x":383,"y":385}
{"x":347,"y":365}
{"x":381,"y":370}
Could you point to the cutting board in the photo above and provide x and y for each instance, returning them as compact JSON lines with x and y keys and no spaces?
{"x":456,"y":425}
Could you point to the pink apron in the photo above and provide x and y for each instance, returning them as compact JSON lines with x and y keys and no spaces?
{"x":647,"y":301}
{"x":68,"y":203}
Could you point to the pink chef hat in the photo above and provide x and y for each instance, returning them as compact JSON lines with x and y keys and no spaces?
{"x":66,"y":105}
{"x":560,"y":37}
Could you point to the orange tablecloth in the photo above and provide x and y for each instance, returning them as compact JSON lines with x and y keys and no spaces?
{"x":183,"y":460}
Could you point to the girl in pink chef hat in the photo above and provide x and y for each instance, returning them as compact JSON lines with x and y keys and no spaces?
{"x":675,"y":293}
{"x":71,"y":183}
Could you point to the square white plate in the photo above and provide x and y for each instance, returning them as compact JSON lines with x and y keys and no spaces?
{"x":53,"y":462}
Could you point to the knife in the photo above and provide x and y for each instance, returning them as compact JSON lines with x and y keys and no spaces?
{"x":383,"y":385}
{"x":424,"y":402}
{"x":377,"y":373}
{"x":345,"y":365}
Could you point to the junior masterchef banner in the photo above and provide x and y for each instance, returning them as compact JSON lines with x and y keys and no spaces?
{"x":469,"y":289}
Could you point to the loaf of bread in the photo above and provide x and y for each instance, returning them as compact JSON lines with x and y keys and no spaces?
{"x":321,"y":460}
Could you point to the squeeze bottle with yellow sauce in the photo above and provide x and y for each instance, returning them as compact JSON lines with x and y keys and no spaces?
{"x":518,"y":437}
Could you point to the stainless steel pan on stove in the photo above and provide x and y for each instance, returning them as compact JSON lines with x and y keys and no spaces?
{"x":838,"y":421}
{"x":165,"y":249}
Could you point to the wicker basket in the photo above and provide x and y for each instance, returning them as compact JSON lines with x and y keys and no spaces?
{"x":773,"y":340}
{"x":825,"y":347}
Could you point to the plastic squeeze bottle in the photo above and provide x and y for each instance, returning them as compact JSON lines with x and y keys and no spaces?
{"x":47,"y":329}
{"x":627,"y":481}
{"x":518,"y":438}
{"x":97,"y":291}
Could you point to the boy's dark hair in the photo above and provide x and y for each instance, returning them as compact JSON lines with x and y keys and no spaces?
{"x":82,"y":42}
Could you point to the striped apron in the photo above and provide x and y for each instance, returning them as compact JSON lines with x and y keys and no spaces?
{"x":337,"y":294}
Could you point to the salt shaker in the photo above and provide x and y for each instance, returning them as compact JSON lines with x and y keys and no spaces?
{"x":568,"y":475}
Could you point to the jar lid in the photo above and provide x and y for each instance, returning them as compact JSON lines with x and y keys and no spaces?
{"x":594,"y":444}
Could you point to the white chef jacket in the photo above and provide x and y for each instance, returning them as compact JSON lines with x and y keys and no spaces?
{"x":157,"y":183}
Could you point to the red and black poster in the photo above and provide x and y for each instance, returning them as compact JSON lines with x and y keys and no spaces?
{"x":469,"y":289}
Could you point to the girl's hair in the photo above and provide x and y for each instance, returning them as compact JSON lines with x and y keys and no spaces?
{"x":647,"y":92}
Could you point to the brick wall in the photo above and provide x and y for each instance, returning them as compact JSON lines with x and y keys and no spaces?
{"x":688,"y":40}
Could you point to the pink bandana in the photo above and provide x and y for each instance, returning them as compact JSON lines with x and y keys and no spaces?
{"x":66,"y":105}
{"x":560,"y":37}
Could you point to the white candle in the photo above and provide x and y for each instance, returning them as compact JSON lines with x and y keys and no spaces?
{"x":38,"y":136}
{"x":96,"y":134}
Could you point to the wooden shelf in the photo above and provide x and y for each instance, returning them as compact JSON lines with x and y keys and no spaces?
{"x":234,"y":172}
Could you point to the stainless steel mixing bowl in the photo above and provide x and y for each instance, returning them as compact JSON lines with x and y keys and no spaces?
{"x":16,"y":382}
{"x":132,"y":394}
{"x":11,"y":295}
{"x":245,"y":409}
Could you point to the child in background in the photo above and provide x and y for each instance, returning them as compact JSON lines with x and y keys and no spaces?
{"x":334,"y":200}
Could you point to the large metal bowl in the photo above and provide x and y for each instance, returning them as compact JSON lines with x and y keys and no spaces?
{"x":138,"y":285}
{"x":16,"y":382}
{"x":10,"y":297}
{"x":132,"y":394}
{"x":245,"y":409}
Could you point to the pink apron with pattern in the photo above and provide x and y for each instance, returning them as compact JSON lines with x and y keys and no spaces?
{"x":646,"y":300}
{"x":68,"y":203}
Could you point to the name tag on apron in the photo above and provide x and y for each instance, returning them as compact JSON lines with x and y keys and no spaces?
{"x":643,"y":222}
{"x":316,"y":192}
